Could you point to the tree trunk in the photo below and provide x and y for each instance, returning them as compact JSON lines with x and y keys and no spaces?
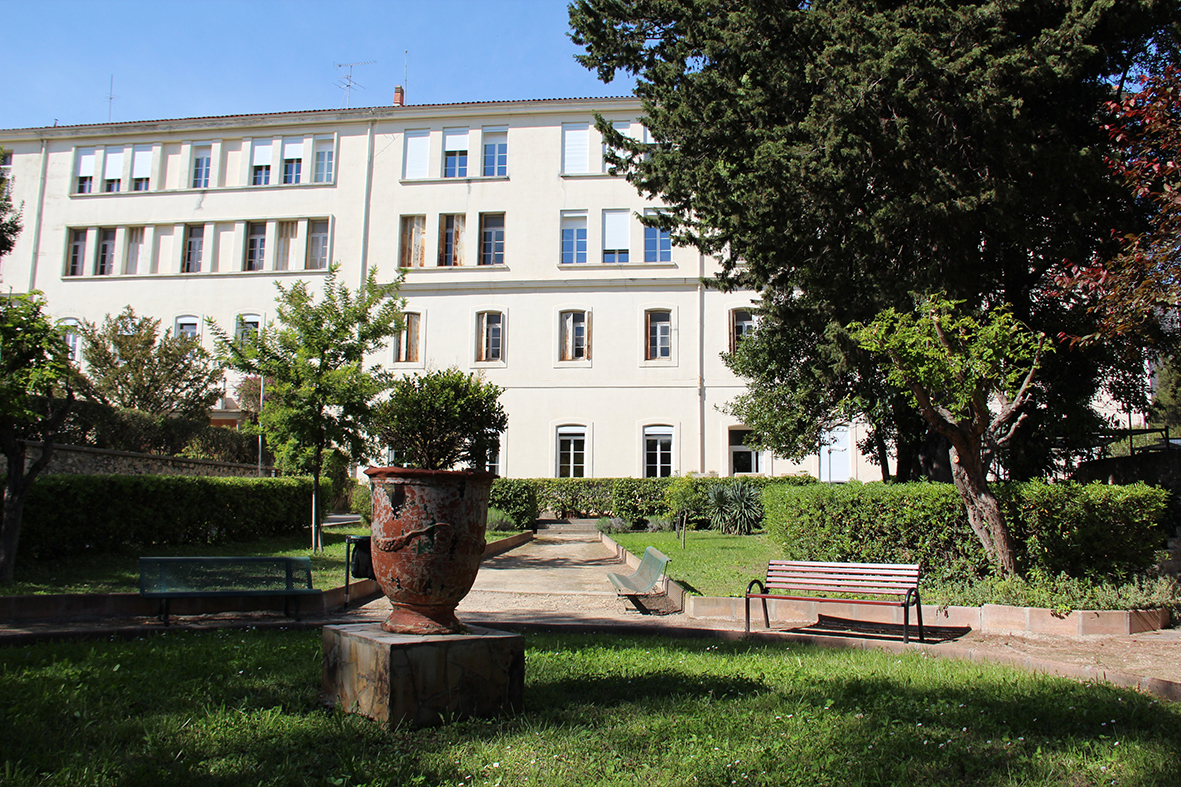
{"x":883,"y":453}
{"x":984,"y":512}
{"x":317,"y":540}
{"x":10,"y":524}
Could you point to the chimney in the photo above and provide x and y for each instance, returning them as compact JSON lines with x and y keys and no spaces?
{"x":399,"y":96}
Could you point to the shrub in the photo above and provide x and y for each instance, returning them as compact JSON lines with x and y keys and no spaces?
{"x":581,"y":497}
{"x":517,"y":497}
{"x":500,"y":520}
{"x":733,"y":507}
{"x":638,"y":499}
{"x":612,"y":524}
{"x":661,"y":524}
{"x":73,"y":514}
{"x":361,"y":501}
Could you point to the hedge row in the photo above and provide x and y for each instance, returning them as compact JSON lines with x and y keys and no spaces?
{"x":72,"y":514}
{"x":1094,"y":530}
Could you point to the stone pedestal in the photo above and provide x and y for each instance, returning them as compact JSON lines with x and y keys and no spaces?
{"x":418,"y":681}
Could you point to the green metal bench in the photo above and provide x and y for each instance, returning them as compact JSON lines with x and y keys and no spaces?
{"x":646,"y":578}
{"x":166,"y":578}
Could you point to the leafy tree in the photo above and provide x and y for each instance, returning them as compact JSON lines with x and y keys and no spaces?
{"x":10,"y":218}
{"x":130,"y":365}
{"x":313,"y":358}
{"x":969,"y":376}
{"x":35,"y":362}
{"x":1166,"y":398}
{"x":436,"y":420}
{"x":837,"y":156}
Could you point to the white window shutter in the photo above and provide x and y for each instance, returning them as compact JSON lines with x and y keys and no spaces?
{"x":86,"y":162}
{"x":113,"y":164}
{"x":141,"y":162}
{"x":292,"y":148}
{"x":455,"y":139}
{"x":418,"y":147}
{"x":615,"y":234}
{"x":575,"y":148}
{"x":262,"y":154}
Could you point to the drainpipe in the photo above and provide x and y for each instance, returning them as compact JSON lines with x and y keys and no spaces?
{"x":37,"y":217}
{"x":700,"y":362}
{"x":365,"y":210}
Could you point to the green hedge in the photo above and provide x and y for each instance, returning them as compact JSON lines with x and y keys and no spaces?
{"x":517,"y":497}
{"x":72,"y":514}
{"x":574,"y":497}
{"x":1095,"y":530}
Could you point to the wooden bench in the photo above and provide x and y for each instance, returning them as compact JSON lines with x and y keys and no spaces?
{"x":880,"y":579}
{"x":166,"y":578}
{"x":645,"y":579}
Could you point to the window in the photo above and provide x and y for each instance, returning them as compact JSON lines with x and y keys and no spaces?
{"x":112,"y":170}
{"x":490,"y":336}
{"x":406,"y":344}
{"x":202,"y":157}
{"x":658,"y":245}
{"x":6,"y":164}
{"x":615,"y":236}
{"x":741,"y":324}
{"x":322,"y":161}
{"x":84,"y":176}
{"x":135,"y":250}
{"x":571,"y":452}
{"x":260,"y":164}
{"x":104,"y":261}
{"x":417,"y":156}
{"x":317,"y":245}
{"x":493,"y":463}
{"x":455,"y":152}
{"x":69,"y":329}
{"x":247,"y":327}
{"x":256,"y":244}
{"x":77,"y":253}
{"x":141,"y":167}
{"x":188,"y":326}
{"x":285,"y":247}
{"x":573,"y":336}
{"x":658,"y":451}
{"x":624,"y":127}
{"x":292,"y":160}
{"x":194,"y":241}
{"x":413,"y":242}
{"x":659,"y":330}
{"x":491,"y":238}
{"x":575,"y":148}
{"x":742,"y":458}
{"x":451,"y":227}
{"x":495,"y":153}
{"x":573,"y":238}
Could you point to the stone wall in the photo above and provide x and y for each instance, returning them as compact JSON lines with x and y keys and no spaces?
{"x":80,"y":460}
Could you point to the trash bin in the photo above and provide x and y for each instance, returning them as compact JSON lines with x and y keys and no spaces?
{"x":358,"y":562}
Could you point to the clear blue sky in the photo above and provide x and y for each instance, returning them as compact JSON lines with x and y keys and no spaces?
{"x":186,"y":58}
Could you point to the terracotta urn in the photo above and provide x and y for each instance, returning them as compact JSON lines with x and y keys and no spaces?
{"x":428,"y":540}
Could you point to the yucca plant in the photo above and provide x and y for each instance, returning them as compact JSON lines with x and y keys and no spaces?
{"x":734,"y":508}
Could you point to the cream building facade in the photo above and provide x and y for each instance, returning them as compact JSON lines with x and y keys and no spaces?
{"x":525,"y":259}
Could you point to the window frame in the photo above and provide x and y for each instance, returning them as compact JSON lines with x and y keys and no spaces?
{"x":256,"y":246}
{"x":69,"y":327}
{"x":408,"y":341}
{"x":412,"y":244}
{"x":573,"y":238}
{"x":76,"y":253}
{"x":494,"y":142}
{"x":193,"y":250}
{"x":187,"y":319}
{"x":202,"y":166}
{"x":613,"y":252}
{"x":574,"y":336}
{"x":739,"y":329}
{"x":490,"y":350}
{"x":652,"y":341}
{"x":319,"y":245}
{"x":243,"y":323}
{"x":492,"y":244}
{"x":572,"y":440}
{"x":658,"y":247}
{"x":452,"y":232}
{"x":665,"y":456}
{"x":104,"y":253}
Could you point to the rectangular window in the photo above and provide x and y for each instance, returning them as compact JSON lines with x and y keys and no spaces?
{"x":104,"y":261}
{"x":186,"y":326}
{"x":406,"y":346}
{"x":322,"y":162}
{"x":658,"y":246}
{"x":6,"y":165}
{"x":77,"y":253}
{"x":615,"y":236}
{"x":659,"y":329}
{"x":575,"y":148}
{"x":247,"y":327}
{"x":413,"y":250}
{"x":256,"y":244}
{"x":285,"y":246}
{"x":495,"y":153}
{"x":70,"y":328}
{"x":194,"y":242}
{"x":260,"y":164}
{"x":741,"y":323}
{"x":317,"y":245}
{"x":490,"y":336}
{"x":573,"y":238}
{"x":624,"y":127}
{"x":291,"y":170}
{"x":416,"y":162}
{"x":571,"y":452}
{"x":260,"y":175}
{"x":574,"y":336}
{"x":491,"y":238}
{"x":743,"y":459}
{"x":84,"y":176}
{"x":141,"y":167}
{"x":112,"y":185}
{"x":112,"y":170}
{"x":658,"y":451}
{"x":455,"y":152}
{"x":451,"y":228}
{"x":135,"y":250}
{"x":202,"y":158}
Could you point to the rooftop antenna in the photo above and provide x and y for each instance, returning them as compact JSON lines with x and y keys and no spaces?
{"x":406,"y":69}
{"x":347,"y":83}
{"x":110,"y":100}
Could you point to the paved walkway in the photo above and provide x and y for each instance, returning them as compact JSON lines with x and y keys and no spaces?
{"x":559,"y":582}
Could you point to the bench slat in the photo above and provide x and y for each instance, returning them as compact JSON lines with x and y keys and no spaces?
{"x":646,"y":576}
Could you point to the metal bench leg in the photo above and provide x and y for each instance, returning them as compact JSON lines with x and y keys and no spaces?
{"x":918,"y":609}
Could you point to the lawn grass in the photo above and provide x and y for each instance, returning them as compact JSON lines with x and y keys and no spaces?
{"x":119,"y":573}
{"x":241,"y":708}
{"x":711,"y":564}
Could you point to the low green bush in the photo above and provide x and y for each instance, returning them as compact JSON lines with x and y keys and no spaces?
{"x":1061,"y":593}
{"x":1095,"y":531}
{"x":638,"y":499}
{"x":612,"y":524}
{"x":517,"y":497}
{"x":72,"y":514}
{"x":500,"y":520}
{"x":361,"y":501}
{"x":575,"y":497}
